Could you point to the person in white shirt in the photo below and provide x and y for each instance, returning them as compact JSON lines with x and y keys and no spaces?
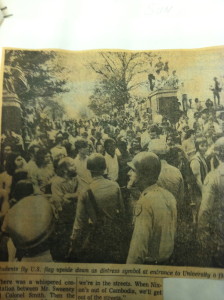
{"x":83,"y":174}
{"x":58,"y":151}
{"x":112,"y":167}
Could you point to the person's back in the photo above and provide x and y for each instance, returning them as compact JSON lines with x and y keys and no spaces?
{"x":102,"y":206}
{"x":211,"y":218}
{"x":155,"y":227}
{"x":107,"y":195}
{"x":30,"y":224}
{"x":170,"y":178}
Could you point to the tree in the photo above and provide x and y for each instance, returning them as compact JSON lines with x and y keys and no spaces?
{"x":41,"y":71}
{"x":52,"y":108}
{"x":119,"y":73}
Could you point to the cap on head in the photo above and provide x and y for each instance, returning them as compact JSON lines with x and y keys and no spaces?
{"x":30,"y":222}
{"x":146,"y":164}
{"x":96,"y":163}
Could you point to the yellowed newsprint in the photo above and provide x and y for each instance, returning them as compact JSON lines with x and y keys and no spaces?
{"x":112,"y":172}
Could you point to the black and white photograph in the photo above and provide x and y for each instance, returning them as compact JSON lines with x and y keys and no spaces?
{"x":113,"y":156}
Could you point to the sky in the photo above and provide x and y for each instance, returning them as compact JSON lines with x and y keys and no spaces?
{"x":196,"y":69}
{"x":120,"y":24}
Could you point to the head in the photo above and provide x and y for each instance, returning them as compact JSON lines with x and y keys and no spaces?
{"x":186,"y":128}
{"x":196,"y":115}
{"x":98,"y":135}
{"x":160,"y":149}
{"x":201,"y":145}
{"x":33,"y":150}
{"x":96,"y":164}
{"x":42,"y":158}
{"x":44,"y":139}
{"x":135,"y":146}
{"x":73,"y":131}
{"x":65,"y":140}
{"x":208,"y":103}
{"x":145,"y":169}
{"x":38,"y":131}
{"x":7,"y":150}
{"x":23,"y":188}
{"x":205,"y":114}
{"x":66,"y":168}
{"x":93,"y":132}
{"x":82,"y":147}
{"x":14,"y":161}
{"x":84,"y":135}
{"x":219,"y":149}
{"x":122,"y":146}
{"x":196,"y":100}
{"x":153,"y":132}
{"x":59,"y":138}
{"x":171,"y":140}
{"x":19,"y":162}
{"x":110,"y":146}
{"x":36,"y":224}
{"x":190,"y":134}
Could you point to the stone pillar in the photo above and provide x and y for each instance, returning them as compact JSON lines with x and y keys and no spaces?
{"x":11,"y":112}
{"x":165,"y":103}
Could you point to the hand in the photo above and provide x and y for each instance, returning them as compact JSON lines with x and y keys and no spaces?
{"x":68,"y":196}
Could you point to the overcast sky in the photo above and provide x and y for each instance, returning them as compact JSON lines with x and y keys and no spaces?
{"x":196,"y":69}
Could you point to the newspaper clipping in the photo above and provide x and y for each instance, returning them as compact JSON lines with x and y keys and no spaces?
{"x":112,"y":172}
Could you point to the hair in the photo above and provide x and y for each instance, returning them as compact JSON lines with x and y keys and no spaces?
{"x":43,"y":135}
{"x":10,"y":165}
{"x":84,"y":134}
{"x":7,"y":145}
{"x":65,"y":135}
{"x":172,"y":136}
{"x":154,"y":128}
{"x":59,"y":137}
{"x":39,"y":157}
{"x":196,"y":114}
{"x":189,"y":133}
{"x":199,"y":141}
{"x":107,"y":142}
{"x":63,"y":165}
{"x":122,"y":145}
{"x":23,"y":188}
{"x":79,"y":144}
{"x":31,"y":149}
{"x":96,"y":164}
{"x":172,"y":155}
{"x":205,"y":111}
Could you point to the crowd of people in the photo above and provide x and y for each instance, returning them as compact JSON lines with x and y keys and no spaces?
{"x":120,"y":188}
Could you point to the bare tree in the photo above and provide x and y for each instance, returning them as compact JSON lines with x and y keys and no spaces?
{"x":119,"y":74}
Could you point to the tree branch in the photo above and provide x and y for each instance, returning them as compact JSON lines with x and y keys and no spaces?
{"x":108,"y":66}
{"x":134,"y":86}
{"x":98,"y":71}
